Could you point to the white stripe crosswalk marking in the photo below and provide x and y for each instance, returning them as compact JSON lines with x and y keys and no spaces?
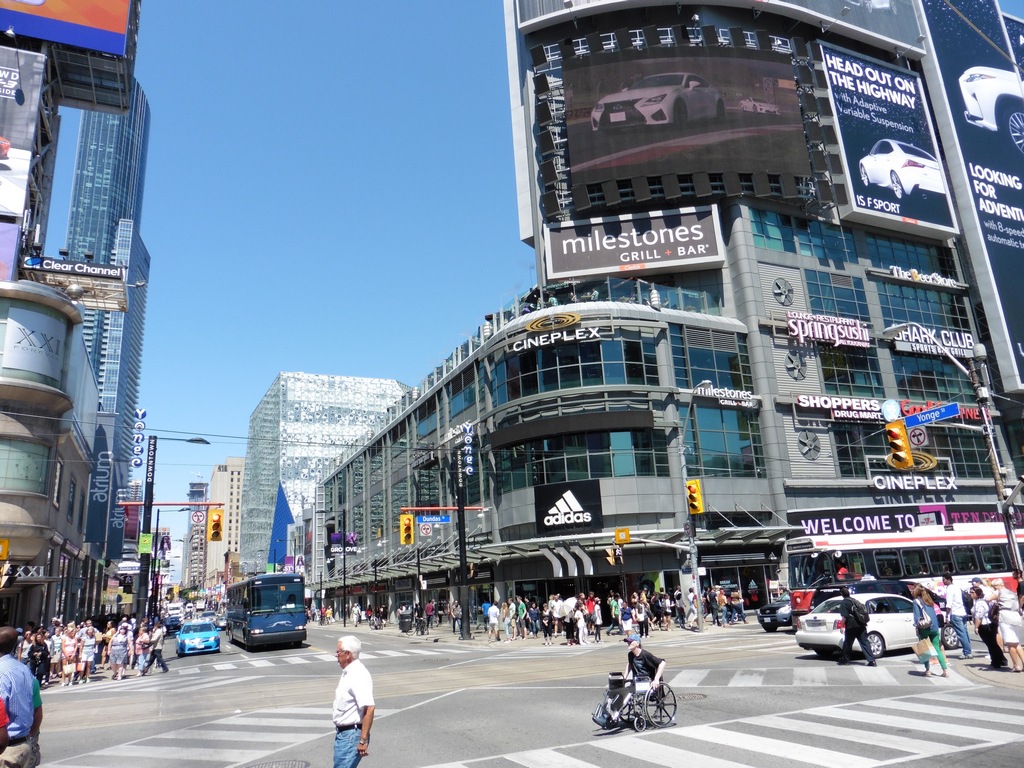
{"x":689,"y":678}
{"x":875,"y":676}
{"x":225,"y":666}
{"x":776,"y":747}
{"x":229,"y":756}
{"x":391,"y":653}
{"x":662,"y":754}
{"x":295,"y":660}
{"x":326,"y":657}
{"x":959,"y":712}
{"x":260,"y":663}
{"x":221,"y":735}
{"x":289,"y":722}
{"x":808,"y":676}
{"x":312,"y":711}
{"x":991,"y":735}
{"x":547,"y":758}
{"x":747,"y":678}
{"x":424,"y":653}
{"x":189,"y":671}
{"x":974,"y":701}
{"x":831,"y":731}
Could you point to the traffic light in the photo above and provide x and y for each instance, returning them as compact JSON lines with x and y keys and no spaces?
{"x":215,"y":525}
{"x":405,"y":530}
{"x":614,"y":555}
{"x":694,"y":497}
{"x":900,"y":456}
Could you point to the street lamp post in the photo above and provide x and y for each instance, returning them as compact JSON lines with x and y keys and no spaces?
{"x":979,"y":384}
{"x":142,"y":599}
{"x":691,"y":523}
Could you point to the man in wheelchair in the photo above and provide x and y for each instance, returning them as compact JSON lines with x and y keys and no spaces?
{"x":640,"y":665}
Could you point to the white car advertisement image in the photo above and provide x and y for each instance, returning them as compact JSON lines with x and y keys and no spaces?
{"x":974,"y":62}
{"x":887,"y":141}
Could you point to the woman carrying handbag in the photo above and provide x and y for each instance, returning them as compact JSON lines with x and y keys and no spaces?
{"x":928,"y":627}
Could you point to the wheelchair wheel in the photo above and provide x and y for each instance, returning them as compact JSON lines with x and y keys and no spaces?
{"x":639,"y":721}
{"x":660,"y":706}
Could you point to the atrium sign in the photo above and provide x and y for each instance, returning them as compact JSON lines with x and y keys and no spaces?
{"x":837,"y":331}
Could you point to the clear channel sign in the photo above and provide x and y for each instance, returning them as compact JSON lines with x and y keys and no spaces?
{"x":923,"y":418}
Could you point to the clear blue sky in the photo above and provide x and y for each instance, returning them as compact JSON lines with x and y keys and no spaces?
{"x":330,"y":190}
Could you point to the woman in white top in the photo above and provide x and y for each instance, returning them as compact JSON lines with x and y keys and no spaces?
{"x":985,"y":629}
{"x":1009,"y":623}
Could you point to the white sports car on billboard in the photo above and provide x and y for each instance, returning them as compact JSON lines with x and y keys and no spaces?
{"x":671,"y":98}
{"x":993,"y":100}
{"x":757,"y":105}
{"x":903,"y":168}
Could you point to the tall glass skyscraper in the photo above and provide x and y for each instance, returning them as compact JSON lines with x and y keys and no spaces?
{"x":300,"y":427}
{"x":103,"y":226}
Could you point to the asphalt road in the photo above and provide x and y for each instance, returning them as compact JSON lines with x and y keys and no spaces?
{"x":746,"y":698}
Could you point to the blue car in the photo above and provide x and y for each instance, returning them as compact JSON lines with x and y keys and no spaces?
{"x":198,"y":637}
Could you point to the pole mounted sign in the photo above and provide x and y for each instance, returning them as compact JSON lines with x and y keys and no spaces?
{"x":932,"y":415}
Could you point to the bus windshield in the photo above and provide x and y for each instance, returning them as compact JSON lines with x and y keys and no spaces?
{"x":275,"y":597}
{"x":808,"y":570}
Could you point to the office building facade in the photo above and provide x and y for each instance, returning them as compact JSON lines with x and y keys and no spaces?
{"x":722,"y":251}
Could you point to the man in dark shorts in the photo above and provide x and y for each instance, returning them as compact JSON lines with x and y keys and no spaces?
{"x":639,"y":664}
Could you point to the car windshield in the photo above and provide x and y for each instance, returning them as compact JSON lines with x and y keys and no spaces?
{"x":207,"y":615}
{"x":196,"y":629}
{"x":658,"y":81}
{"x":829,"y":606}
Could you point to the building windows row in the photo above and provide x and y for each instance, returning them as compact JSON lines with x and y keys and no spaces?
{"x":933,"y":309}
{"x":860,"y":451}
{"x":629,"y":359}
{"x":727,"y":443}
{"x":779,"y":232}
{"x":704,"y":355}
{"x":582,"y":456}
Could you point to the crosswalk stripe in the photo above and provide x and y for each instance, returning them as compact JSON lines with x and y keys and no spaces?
{"x":974,"y":701}
{"x":662,"y":754}
{"x":326,"y":657}
{"x":260,"y":663}
{"x":832,"y":731}
{"x":863,"y":715}
{"x":547,"y":758}
{"x":225,"y":667}
{"x":776,"y":747}
{"x":689,"y":678}
{"x":326,"y":711}
{"x":222,"y":735}
{"x":809,"y":676}
{"x":391,"y":653}
{"x":229,"y":756}
{"x":280,"y":722}
{"x":747,"y":678}
{"x":295,"y":660}
{"x":875,"y":676}
{"x":959,"y":713}
{"x":424,"y":653}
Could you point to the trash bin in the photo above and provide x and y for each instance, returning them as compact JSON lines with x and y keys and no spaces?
{"x":405,"y":621}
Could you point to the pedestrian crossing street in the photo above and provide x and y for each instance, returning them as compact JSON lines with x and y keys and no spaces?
{"x":866,"y":734}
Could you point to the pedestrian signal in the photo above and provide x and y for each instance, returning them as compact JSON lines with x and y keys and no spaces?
{"x":694,"y":497}
{"x":215,"y":525}
{"x":406,"y":534}
{"x":900,"y":456}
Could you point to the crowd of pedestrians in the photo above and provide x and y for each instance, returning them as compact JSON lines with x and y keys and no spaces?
{"x":70,"y":654}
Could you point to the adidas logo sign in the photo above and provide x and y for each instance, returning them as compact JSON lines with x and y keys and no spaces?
{"x":567,"y":511}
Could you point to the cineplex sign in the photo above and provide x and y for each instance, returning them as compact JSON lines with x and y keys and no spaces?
{"x":663,"y":240}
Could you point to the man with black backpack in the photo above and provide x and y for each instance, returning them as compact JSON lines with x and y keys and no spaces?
{"x":959,"y":612}
{"x":855,"y":617}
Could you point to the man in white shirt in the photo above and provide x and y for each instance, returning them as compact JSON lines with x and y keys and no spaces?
{"x":353,"y":706}
{"x":492,"y":622}
{"x":957,"y":613}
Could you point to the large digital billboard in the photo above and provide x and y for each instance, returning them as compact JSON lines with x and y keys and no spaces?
{"x":682,"y":110}
{"x":98,"y":25}
{"x":21,"y":77}
{"x":887,"y":144}
{"x":688,"y":238}
{"x":892,"y":19}
{"x":973,"y":70}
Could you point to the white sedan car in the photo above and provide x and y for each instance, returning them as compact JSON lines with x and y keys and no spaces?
{"x":903,"y":168}
{"x":671,"y":98}
{"x":891,"y":625}
{"x":757,"y":105}
{"x":992,"y":100}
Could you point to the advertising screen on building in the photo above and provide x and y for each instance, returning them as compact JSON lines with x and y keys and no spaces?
{"x":568,"y":507}
{"x":21,"y":77}
{"x":887,"y":144}
{"x":682,"y":110}
{"x":688,"y":238}
{"x":983,"y":95}
{"x":891,"y":19}
{"x":98,"y":25}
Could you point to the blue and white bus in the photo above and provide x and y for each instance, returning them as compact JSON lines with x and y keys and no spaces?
{"x":267,"y":610}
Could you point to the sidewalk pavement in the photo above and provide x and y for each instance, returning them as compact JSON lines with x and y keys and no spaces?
{"x":975,"y":669}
